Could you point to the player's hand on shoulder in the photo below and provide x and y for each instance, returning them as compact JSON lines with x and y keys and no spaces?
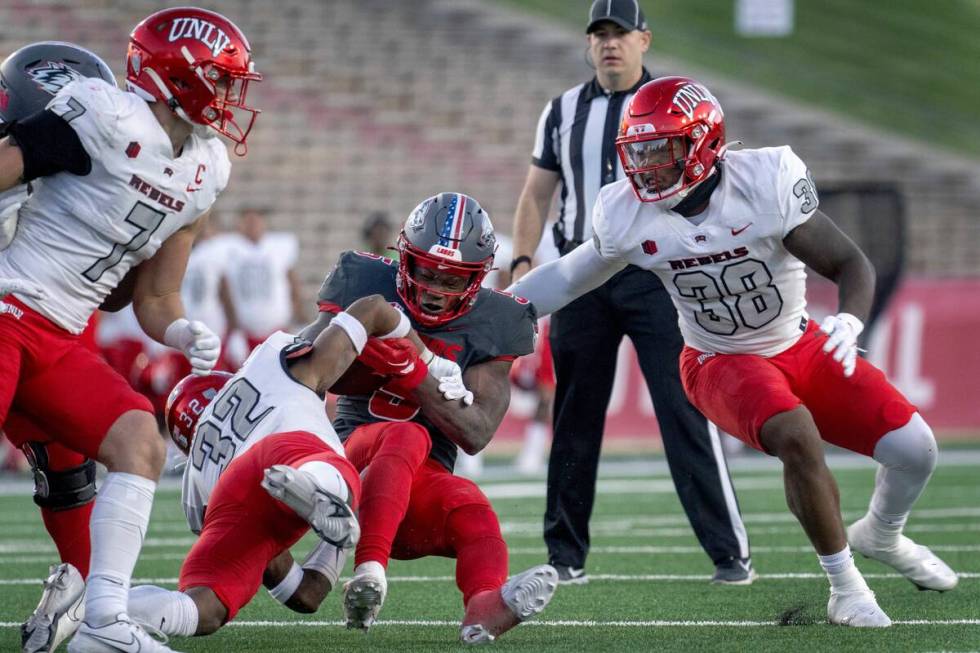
{"x":199,"y":343}
{"x":842,"y":332}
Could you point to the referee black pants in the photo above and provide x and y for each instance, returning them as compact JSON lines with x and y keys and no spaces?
{"x":585,"y":337}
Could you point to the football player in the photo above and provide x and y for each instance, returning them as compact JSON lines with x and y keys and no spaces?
{"x":264,"y":465}
{"x":730,"y":235}
{"x":402,"y":435}
{"x":128,"y":178}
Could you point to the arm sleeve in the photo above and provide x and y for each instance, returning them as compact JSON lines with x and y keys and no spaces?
{"x":545,"y":154}
{"x":49,"y":145}
{"x":795,"y":192}
{"x":555,"y":284}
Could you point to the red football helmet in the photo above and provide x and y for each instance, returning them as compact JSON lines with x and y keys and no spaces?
{"x":197,"y":62}
{"x":187,"y":401}
{"x":671,"y":137}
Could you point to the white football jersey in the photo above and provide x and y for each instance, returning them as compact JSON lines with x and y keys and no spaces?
{"x":258,"y":281}
{"x":736,"y":287}
{"x":262,"y":399}
{"x":79,"y":235}
{"x":202,"y":281}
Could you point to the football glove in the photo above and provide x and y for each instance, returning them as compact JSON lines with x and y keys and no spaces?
{"x":199,"y":344}
{"x":842,"y":332}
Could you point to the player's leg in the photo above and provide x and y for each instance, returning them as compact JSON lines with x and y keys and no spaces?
{"x":691,"y":445}
{"x":584,"y":340}
{"x":104,"y":419}
{"x":866,"y":414}
{"x":388,"y":454}
{"x":751,"y":398}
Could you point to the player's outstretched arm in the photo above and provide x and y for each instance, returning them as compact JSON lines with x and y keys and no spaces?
{"x":820,"y":244}
{"x":469,"y":426}
{"x":336,"y":347}
{"x":557,"y":283}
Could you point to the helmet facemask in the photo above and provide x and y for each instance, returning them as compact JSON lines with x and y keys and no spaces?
{"x":418,"y":293}
{"x":665,"y":167}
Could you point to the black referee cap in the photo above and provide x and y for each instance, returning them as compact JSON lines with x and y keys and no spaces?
{"x":625,"y":13}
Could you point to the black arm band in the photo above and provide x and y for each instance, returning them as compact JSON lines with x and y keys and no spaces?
{"x":517,"y":261}
{"x":49,"y":145}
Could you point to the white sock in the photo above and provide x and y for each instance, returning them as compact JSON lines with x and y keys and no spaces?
{"x":535,"y":439}
{"x":372,"y":567}
{"x":326,"y":477}
{"x":907,"y":456}
{"x":118,"y":526}
{"x":840,"y":569}
{"x":328,"y":560}
{"x":172,"y":613}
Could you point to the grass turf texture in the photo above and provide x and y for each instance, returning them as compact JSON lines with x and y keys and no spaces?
{"x":907,"y":66}
{"x":636,"y":534}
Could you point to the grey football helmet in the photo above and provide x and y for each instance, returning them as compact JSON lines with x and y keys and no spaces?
{"x":448,"y":234}
{"x":31,"y":76}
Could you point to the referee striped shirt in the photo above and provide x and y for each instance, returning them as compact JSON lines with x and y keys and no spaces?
{"x":576,"y":137}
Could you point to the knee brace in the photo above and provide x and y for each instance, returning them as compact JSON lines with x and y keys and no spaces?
{"x":910,"y":448}
{"x":61,"y":489}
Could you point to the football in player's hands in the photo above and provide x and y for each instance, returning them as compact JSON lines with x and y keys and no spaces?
{"x":381,"y":362}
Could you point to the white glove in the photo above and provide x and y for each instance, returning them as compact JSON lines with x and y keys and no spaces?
{"x":449,"y":375}
{"x":21,"y":287}
{"x":10,"y":202}
{"x":842,"y":332}
{"x":452,"y":388}
{"x":199,"y":343}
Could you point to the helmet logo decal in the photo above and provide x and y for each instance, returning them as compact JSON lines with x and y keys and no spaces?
{"x":689,"y":96}
{"x":204,"y":31}
{"x":52,"y":76}
{"x":452,"y":228}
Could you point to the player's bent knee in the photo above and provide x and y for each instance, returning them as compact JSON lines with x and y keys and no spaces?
{"x":59,"y":489}
{"x":792,"y":436}
{"x":134,"y":445}
{"x":211,"y":612}
{"x":911,"y":447}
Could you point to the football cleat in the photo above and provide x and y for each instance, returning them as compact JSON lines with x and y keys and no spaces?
{"x":59,"y":613}
{"x":568,"y":575}
{"x":914,"y":561}
{"x":857,"y":608}
{"x":328,"y":515}
{"x":120,"y":635}
{"x":523,"y":596}
{"x":364,"y":594}
{"x":734,"y":571}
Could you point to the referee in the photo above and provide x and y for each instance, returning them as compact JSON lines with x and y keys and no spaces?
{"x":575,"y":149}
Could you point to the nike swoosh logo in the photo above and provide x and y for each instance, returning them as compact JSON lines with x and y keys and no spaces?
{"x":736,"y":232}
{"x":745,"y":565}
{"x":192,"y":190}
{"x":129,"y":646}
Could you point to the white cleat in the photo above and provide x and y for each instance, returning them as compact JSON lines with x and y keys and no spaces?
{"x":857,"y":608}
{"x":914,"y":561}
{"x":119,"y":635}
{"x":59,"y":613}
{"x":529,"y":592}
{"x":475,"y":634}
{"x":328,"y":515}
{"x":364,"y":594}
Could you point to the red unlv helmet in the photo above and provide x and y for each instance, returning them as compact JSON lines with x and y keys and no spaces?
{"x":197,"y":62}
{"x":447,"y":235}
{"x":187,"y":401}
{"x":671,"y":137}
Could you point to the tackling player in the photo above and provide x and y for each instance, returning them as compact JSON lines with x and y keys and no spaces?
{"x":128,"y":178}
{"x":730,"y":235}
{"x":264,"y":465}
{"x":403,"y":435}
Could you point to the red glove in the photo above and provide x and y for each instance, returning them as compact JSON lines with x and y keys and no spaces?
{"x":398,"y":360}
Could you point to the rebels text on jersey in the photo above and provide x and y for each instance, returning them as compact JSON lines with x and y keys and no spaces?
{"x":262,"y":399}
{"x":79,"y":235}
{"x":736,"y":287}
{"x":499,"y":326}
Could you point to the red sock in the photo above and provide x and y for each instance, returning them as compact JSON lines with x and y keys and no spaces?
{"x":69,"y":530}
{"x":386,"y":487}
{"x":481,"y":553}
{"x":488,"y":609}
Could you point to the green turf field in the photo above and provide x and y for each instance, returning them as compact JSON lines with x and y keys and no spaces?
{"x":649,"y":588}
{"x":908,"y":66}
